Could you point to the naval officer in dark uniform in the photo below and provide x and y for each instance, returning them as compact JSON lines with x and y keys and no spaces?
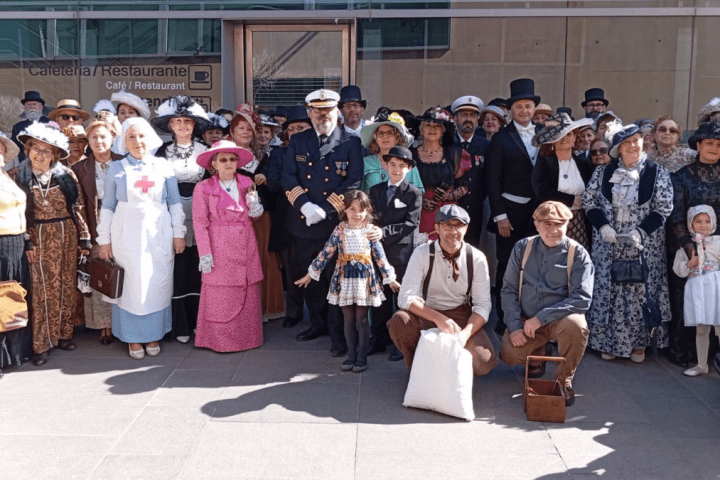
{"x":320,"y":165}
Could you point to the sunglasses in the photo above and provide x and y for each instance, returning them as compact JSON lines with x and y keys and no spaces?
{"x":74,"y":118}
{"x":225,"y":160}
{"x":664,"y":129}
{"x":600,"y":151}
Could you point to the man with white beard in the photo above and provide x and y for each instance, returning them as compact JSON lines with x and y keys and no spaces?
{"x":320,"y":165}
{"x":33,"y":104}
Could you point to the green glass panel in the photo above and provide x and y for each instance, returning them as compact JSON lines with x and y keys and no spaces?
{"x":182,"y":35}
{"x":122,"y":37}
{"x":389,"y":33}
{"x":22,"y":38}
{"x":68,"y":37}
{"x":212,"y":35}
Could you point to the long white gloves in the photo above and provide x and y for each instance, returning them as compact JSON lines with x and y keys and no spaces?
{"x":206,"y":264}
{"x":313,"y":213}
{"x":609,"y":235}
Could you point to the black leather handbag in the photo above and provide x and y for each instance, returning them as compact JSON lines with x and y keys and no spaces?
{"x":628,"y":271}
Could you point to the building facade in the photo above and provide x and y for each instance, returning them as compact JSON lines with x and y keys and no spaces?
{"x":650,"y":57}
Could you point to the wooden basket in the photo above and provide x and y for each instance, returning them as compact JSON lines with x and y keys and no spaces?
{"x":546,"y":402}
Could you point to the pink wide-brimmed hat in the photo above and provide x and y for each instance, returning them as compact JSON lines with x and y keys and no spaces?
{"x":244,"y":155}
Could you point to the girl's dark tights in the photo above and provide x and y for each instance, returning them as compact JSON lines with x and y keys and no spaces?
{"x":357,"y":315}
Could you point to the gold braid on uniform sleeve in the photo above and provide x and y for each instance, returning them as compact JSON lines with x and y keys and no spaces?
{"x":293,"y":195}
{"x":337,"y":201}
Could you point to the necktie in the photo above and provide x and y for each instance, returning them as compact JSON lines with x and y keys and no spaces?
{"x":452,"y":258}
{"x":390,"y":192}
{"x":323,"y":139}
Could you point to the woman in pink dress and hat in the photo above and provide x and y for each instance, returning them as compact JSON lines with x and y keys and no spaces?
{"x":230,"y":318}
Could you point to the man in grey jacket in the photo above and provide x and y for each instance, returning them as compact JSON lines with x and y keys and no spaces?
{"x":546,"y":291}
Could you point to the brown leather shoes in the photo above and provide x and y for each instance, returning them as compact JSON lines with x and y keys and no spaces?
{"x":569,"y":394}
{"x":537,"y":371}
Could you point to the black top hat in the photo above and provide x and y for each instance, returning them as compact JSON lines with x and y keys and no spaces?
{"x":402,"y":153}
{"x":294,"y":114}
{"x":498,"y":102}
{"x":566,"y":110}
{"x":522,"y":89}
{"x":32,"y":96}
{"x":593,"y":94}
{"x":351,"y":93}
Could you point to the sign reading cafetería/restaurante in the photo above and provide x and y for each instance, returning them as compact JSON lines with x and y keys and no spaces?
{"x":153,"y":83}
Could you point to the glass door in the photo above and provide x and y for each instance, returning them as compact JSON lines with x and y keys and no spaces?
{"x":283,"y":63}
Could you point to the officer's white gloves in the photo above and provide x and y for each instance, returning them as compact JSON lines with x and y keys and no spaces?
{"x":609,"y":235}
{"x":313,"y":213}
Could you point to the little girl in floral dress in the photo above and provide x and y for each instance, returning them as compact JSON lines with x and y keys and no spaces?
{"x":702,"y":290}
{"x":354,"y":285}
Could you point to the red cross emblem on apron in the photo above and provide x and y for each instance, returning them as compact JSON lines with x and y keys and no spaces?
{"x":144,"y":184}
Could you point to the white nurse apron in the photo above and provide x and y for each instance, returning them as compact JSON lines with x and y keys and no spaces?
{"x":142,"y":239}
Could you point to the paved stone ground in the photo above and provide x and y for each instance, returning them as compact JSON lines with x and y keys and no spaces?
{"x":286,"y":410}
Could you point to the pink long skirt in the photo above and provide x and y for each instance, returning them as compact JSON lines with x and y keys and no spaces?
{"x":229,"y":321}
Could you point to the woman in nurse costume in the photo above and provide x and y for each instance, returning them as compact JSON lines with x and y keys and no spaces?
{"x":142,"y":228}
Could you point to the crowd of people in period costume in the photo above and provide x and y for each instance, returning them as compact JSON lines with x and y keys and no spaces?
{"x":590,"y":232}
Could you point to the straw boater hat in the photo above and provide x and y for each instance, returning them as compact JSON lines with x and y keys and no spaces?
{"x":244,"y":155}
{"x":385,"y":117}
{"x":544,"y":108}
{"x":705,"y":131}
{"x":118,"y":98}
{"x":556,"y":127}
{"x":68,"y":106}
{"x":11,"y":150}
{"x":180,"y":106}
{"x":48,"y":133}
{"x":710,"y":112}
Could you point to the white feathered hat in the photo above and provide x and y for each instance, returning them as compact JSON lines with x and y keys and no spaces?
{"x":180,"y":106}
{"x":104,"y":105}
{"x":48,"y":133}
{"x":132,"y":100}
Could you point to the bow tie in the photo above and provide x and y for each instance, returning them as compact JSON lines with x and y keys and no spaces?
{"x":529,"y":129}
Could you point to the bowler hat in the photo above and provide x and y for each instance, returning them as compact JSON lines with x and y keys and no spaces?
{"x":296,"y":113}
{"x":522,"y":89}
{"x":567,"y":111}
{"x":594,"y":94}
{"x":351,"y":93}
{"x":451,"y":212}
{"x":498,"y":102}
{"x":402,"y":153}
{"x":32,"y":96}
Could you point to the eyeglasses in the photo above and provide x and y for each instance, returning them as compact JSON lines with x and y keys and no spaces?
{"x":595,"y":106}
{"x":74,"y":118}
{"x":449,"y":227}
{"x":225,"y":160}
{"x":665,"y":129}
{"x":600,"y":151}
{"x":385,"y":133}
{"x":297,"y":129}
{"x":44,"y":153}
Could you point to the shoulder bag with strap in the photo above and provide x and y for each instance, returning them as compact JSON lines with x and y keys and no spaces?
{"x":470,"y":268}
{"x":526,"y":255}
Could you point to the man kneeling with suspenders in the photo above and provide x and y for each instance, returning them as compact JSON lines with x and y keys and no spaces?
{"x":546,"y":291}
{"x":456,"y":300}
